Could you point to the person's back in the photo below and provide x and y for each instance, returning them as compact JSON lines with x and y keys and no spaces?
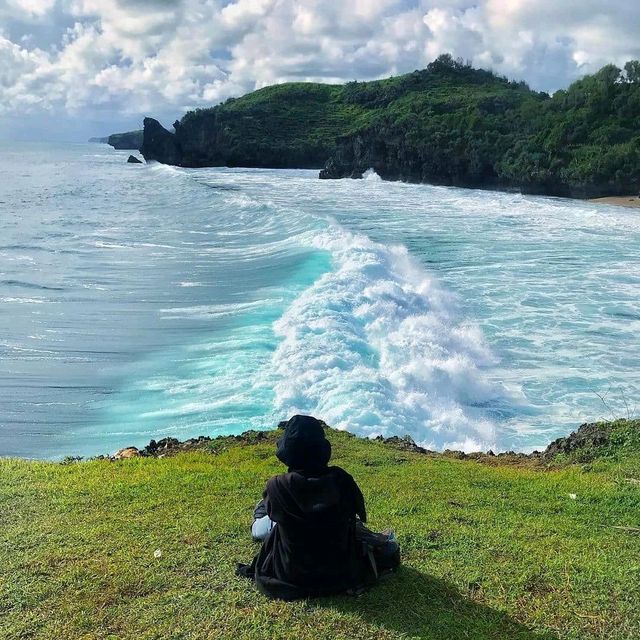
{"x":314,"y":513}
{"x":314,"y":543}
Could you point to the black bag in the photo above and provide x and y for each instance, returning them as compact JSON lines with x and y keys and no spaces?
{"x":382,"y":549}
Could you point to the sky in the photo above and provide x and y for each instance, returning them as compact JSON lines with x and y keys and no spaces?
{"x":71,"y":69}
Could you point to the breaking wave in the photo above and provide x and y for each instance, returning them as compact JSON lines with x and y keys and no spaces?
{"x":377,"y":347}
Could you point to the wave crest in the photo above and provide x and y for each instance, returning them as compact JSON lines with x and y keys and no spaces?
{"x":376,"y":347}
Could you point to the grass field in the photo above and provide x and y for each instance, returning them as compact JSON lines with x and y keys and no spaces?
{"x":490,"y":550}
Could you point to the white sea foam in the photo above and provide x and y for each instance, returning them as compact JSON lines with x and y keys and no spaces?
{"x":371,"y":176}
{"x":377,"y":347}
{"x":216,"y":310}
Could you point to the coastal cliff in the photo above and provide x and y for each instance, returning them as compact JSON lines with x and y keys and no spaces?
{"x":285,"y":126}
{"x":393,"y":156}
{"x":583,"y":142}
{"x":448,"y":124}
{"x":130,"y":140}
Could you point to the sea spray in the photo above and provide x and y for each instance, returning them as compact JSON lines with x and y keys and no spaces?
{"x":370,"y":175}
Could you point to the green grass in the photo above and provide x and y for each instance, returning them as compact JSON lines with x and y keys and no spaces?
{"x":490,"y":551}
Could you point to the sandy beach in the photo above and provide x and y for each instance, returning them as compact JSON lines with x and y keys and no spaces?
{"x":621,"y":201}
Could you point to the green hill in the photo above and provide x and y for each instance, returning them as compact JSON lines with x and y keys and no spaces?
{"x":447,"y":124}
{"x":494,"y":548}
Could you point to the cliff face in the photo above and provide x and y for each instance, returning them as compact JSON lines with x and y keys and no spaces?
{"x":285,"y":126}
{"x":210,"y":141}
{"x":130,"y":140}
{"x":393,"y":157}
{"x":160,"y":144}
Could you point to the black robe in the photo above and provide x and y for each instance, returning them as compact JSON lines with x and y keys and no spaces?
{"x":312,"y":550}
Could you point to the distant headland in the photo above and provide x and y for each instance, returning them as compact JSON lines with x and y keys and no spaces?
{"x":448,"y":124}
{"x":129,"y":140}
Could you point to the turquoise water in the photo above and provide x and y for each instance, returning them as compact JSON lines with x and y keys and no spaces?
{"x":141,"y":301}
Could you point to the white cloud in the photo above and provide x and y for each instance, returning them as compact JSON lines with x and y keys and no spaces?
{"x":163,"y":56}
{"x":31,"y":7}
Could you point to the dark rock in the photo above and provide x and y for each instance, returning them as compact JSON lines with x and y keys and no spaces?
{"x":456,"y":455}
{"x":587,"y":436}
{"x":152,"y":447}
{"x":393,"y":155}
{"x":404,"y":443}
{"x":167,"y":443}
{"x":134,"y":160}
{"x":159,"y":144}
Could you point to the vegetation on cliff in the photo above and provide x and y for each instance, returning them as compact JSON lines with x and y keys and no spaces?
{"x":471,"y":128}
{"x":291,"y":125}
{"x":131,"y":140}
{"x":494,"y":548}
{"x":447,"y":124}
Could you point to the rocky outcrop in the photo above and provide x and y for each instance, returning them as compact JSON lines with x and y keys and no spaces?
{"x":159,"y":144}
{"x":104,"y":140}
{"x":293,"y":125}
{"x":589,"y":436}
{"x":218,"y":138}
{"x":387,"y":150}
{"x":134,"y":160}
{"x":126,"y":141}
{"x":126,"y":453}
{"x":357,"y":153}
{"x":404,"y":443}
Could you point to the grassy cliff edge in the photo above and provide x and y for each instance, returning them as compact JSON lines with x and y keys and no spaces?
{"x":534,"y":547}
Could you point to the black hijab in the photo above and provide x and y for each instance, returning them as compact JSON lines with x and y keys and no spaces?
{"x":303,"y":446}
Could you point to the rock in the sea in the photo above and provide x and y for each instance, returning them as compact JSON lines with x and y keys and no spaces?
{"x":127,"y":452}
{"x":134,"y":160}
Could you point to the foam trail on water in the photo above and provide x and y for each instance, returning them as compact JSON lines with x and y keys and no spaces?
{"x":376,"y":347}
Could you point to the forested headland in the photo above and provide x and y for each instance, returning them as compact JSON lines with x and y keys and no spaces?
{"x":447,"y":124}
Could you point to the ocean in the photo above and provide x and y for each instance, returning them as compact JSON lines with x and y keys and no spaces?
{"x":145,"y":301}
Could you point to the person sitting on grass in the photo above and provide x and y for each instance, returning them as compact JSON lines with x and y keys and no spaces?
{"x":311,"y":523}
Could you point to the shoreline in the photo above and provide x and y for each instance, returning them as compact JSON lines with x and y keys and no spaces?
{"x":632,"y":202}
{"x":593,"y":434}
{"x":589,"y":434}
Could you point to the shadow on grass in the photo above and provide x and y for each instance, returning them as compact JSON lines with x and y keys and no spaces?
{"x":422,"y":606}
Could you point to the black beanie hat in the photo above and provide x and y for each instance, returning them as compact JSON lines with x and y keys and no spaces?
{"x":304,"y":445}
